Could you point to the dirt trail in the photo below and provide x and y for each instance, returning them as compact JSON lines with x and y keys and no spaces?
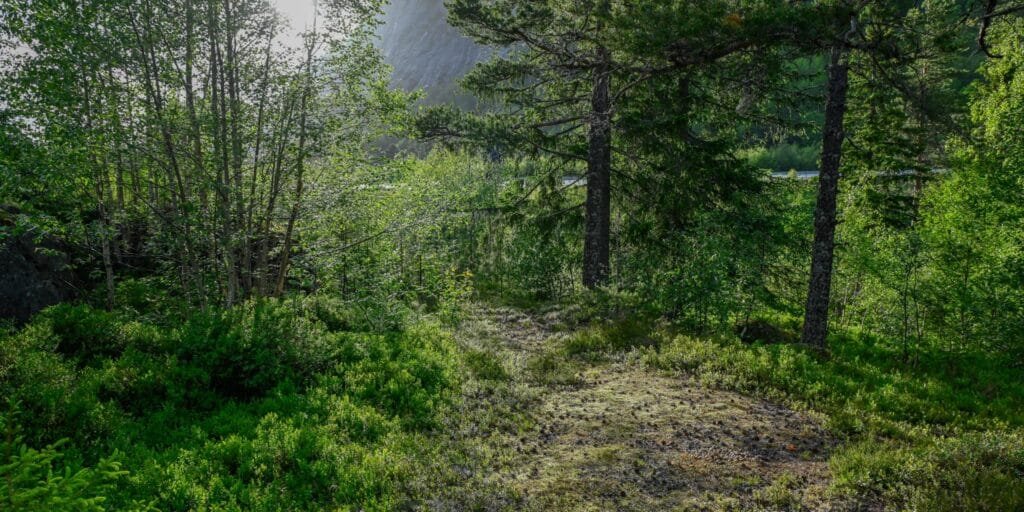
{"x":615,"y":435}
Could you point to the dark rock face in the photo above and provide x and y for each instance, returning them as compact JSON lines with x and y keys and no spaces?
{"x":32,"y":276}
{"x":426,"y":52}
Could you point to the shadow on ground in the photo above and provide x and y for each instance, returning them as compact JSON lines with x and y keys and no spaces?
{"x":615,"y":435}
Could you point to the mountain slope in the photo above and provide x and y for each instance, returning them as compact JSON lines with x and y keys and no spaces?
{"x":426,"y":52}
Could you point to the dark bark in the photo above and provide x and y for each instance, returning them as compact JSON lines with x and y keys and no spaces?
{"x":598,"y":206}
{"x":816,"y":313}
{"x":198,"y":173}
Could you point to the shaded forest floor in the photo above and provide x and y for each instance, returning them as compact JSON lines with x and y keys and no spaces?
{"x":537,"y":430}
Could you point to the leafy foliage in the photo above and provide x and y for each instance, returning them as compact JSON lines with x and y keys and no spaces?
{"x":260,"y":407}
{"x":37,"y":479}
{"x":267,"y":291}
{"x":918,"y":437}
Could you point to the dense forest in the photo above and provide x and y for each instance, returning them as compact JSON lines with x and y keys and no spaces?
{"x":651,"y":255}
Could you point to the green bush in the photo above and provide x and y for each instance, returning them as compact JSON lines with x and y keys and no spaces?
{"x":246,"y":351}
{"x":974,"y":471}
{"x":608,"y":336}
{"x":84,"y":333}
{"x":287,"y":464}
{"x":38,"y":479}
{"x":405,"y":375}
{"x":926,"y":437}
{"x":266,"y":406}
{"x":371,"y":312}
{"x":485,"y":365}
{"x":550,"y":367}
{"x":150,"y":299}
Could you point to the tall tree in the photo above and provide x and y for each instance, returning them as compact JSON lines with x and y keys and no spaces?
{"x":188,"y":123}
{"x":883,"y":40}
{"x":567,"y":68}
{"x":823,"y":249}
{"x":597,"y":239}
{"x":556,"y":74}
{"x":844,"y":29}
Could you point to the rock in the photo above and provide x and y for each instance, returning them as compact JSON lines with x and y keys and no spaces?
{"x":33,"y":273}
{"x":758,"y":330}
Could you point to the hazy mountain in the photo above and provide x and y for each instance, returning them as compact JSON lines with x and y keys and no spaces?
{"x":426,"y":51}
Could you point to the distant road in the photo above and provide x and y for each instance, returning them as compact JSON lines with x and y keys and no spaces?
{"x":572,"y":181}
{"x":800,"y":175}
{"x":806,"y":175}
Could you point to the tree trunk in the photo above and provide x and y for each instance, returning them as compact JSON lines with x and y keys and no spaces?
{"x":816,"y":314}
{"x":300,"y":165}
{"x":277,"y":169}
{"x":108,"y":267}
{"x":253,"y":282}
{"x":598,"y":206}
{"x":105,"y":228}
{"x":241,"y":268}
{"x":198,"y":172}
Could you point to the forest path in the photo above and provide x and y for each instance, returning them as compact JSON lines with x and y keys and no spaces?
{"x":555,"y":434}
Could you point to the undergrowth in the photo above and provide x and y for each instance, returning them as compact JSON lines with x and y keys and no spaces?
{"x":271,"y":405}
{"x":940,"y":433}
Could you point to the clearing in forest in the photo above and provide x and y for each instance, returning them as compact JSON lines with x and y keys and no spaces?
{"x":542,"y":431}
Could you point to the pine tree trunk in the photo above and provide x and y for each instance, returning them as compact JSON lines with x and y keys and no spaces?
{"x":598,"y":206}
{"x":816,"y":314}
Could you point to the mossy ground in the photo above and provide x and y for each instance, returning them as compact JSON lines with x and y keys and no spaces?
{"x":540,"y":430}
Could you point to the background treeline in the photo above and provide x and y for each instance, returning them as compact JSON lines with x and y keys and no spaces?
{"x":257,"y":270}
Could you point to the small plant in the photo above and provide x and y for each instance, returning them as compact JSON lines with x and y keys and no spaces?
{"x":782,"y":494}
{"x":457,"y":291}
{"x":485,"y":365}
{"x":552,"y":368}
{"x":609,"y":336}
{"x":36,"y":479}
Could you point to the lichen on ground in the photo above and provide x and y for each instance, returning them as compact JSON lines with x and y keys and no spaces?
{"x":551,"y":433}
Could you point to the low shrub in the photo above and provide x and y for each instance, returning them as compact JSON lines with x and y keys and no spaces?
{"x":292,"y":463}
{"x":930,"y":436}
{"x":405,"y":375}
{"x":84,"y":333}
{"x":40,"y":480}
{"x":485,"y":365}
{"x":608,"y":336}
{"x":551,"y":367}
{"x":973,"y":471}
{"x":246,"y":351}
{"x":270,"y":405}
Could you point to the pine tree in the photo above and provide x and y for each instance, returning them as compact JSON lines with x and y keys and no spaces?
{"x":878,"y":38}
{"x":567,"y":70}
{"x":557,"y":77}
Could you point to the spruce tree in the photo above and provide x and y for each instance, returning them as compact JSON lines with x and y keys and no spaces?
{"x":566,"y":71}
{"x":556,"y":75}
